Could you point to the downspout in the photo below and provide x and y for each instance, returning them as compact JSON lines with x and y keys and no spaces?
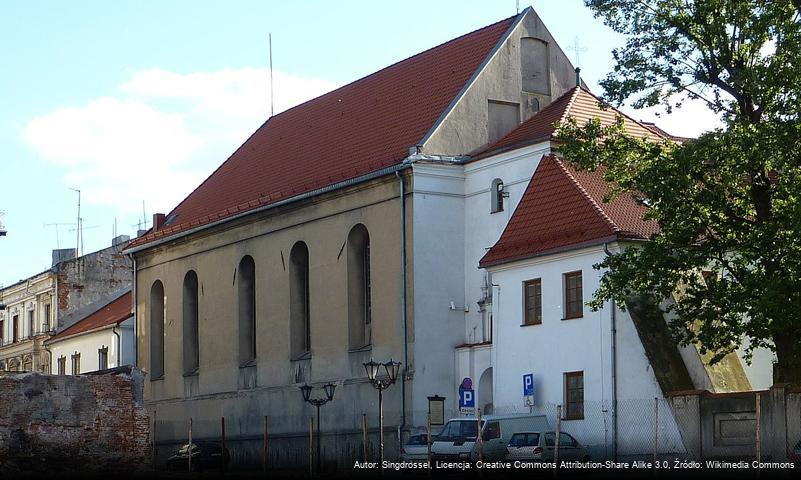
{"x":613,"y":366}
{"x":136,"y":317}
{"x":119,"y":345}
{"x":403,"y":298}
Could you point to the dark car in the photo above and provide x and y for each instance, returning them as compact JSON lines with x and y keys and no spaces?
{"x":205,"y":456}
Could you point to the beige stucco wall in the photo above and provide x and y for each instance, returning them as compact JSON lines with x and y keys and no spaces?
{"x":465,"y":128}
{"x":323,"y":224}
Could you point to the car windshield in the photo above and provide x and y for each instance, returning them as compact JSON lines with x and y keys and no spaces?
{"x":524,"y":440}
{"x":458,"y":429}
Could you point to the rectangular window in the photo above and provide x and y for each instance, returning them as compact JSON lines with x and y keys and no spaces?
{"x":102,"y":358}
{"x":15,"y":329}
{"x":30,"y":323}
{"x":532,"y":294}
{"x":2,"y":332}
{"x":76,"y":363}
{"x":62,"y":365}
{"x":574,"y":395}
{"x":46,"y":319}
{"x":574,"y":297}
{"x":502,"y":118}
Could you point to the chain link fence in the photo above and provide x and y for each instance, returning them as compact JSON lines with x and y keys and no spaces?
{"x":692,"y":426}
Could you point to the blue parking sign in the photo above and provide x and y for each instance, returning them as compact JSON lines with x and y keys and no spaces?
{"x":528,"y":385}
{"x":467,"y":399}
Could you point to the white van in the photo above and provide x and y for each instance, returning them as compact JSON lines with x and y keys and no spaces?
{"x":457,"y":439}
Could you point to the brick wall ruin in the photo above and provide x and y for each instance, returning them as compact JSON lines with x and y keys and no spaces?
{"x":59,"y":422}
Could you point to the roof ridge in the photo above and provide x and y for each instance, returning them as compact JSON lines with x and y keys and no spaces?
{"x":149,"y":235}
{"x":574,"y":94}
{"x":615,"y":228}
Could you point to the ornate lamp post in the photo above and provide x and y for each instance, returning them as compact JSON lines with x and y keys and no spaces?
{"x":392,"y":369}
{"x":318,"y":402}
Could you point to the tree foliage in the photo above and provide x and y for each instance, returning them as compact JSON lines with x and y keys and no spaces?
{"x":727,"y":202}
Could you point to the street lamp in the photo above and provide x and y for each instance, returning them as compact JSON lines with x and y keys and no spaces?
{"x":306,"y":391}
{"x":392,"y":369}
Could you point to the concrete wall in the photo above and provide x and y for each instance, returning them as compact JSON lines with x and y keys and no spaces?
{"x":89,"y":279}
{"x":724,"y":425}
{"x":465,"y":128}
{"x":218,"y":390}
{"x":70,"y":423}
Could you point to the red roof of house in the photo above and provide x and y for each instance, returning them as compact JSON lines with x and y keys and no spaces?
{"x":114,"y":313}
{"x":563,"y":208}
{"x":577,"y":103}
{"x":357,"y":129}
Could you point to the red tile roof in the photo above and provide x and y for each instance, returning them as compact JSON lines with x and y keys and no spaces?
{"x":563,"y":208}
{"x":114,"y":313}
{"x":357,"y":129}
{"x":578,"y":103}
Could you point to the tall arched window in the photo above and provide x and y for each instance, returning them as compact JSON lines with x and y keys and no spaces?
{"x":534,"y":66}
{"x":299,"y":314}
{"x":359,"y":291}
{"x":246,"y":281}
{"x":157,"y":305}
{"x":496,"y":195}
{"x":190,"y":322}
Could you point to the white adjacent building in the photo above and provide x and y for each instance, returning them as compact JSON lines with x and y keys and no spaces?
{"x":101,"y":340}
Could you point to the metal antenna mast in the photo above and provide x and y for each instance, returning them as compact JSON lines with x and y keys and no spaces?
{"x":79,"y":234}
{"x":270,"y":42}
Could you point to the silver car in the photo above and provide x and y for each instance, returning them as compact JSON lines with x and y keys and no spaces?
{"x":415,"y":448}
{"x":540,"y":446}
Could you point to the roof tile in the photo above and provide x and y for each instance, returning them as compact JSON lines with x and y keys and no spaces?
{"x":564,"y":208}
{"x":359,"y":128}
{"x":112,"y":314}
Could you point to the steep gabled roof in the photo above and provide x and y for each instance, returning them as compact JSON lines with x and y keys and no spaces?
{"x":112,"y":314}
{"x":563,"y":209}
{"x":578,"y":103}
{"x":357,"y":129}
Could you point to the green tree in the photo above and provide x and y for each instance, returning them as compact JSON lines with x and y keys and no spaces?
{"x":728,"y":201}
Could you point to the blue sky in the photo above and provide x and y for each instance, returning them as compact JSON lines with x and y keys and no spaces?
{"x":139,"y":101}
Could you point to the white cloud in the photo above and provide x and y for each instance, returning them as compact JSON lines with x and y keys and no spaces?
{"x":162,"y":134}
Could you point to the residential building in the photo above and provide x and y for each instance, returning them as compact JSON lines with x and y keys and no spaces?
{"x":334,"y":234}
{"x":28,"y":319}
{"x":101,"y":340}
{"x":605,"y":367}
{"x":48,"y":302}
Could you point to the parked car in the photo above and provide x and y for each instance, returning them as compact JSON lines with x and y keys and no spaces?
{"x":205,"y":456}
{"x":415,"y":448}
{"x":457,"y":439}
{"x":540,"y":446}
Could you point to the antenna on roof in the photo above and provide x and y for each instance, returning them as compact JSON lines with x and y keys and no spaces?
{"x":79,"y":227}
{"x":517,"y":7}
{"x":270,"y":42}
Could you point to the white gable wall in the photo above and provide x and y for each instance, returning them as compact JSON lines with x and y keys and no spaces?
{"x":453,"y":227}
{"x":557,"y":346}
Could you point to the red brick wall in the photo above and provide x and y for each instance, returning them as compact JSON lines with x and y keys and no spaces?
{"x":87,"y":420}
